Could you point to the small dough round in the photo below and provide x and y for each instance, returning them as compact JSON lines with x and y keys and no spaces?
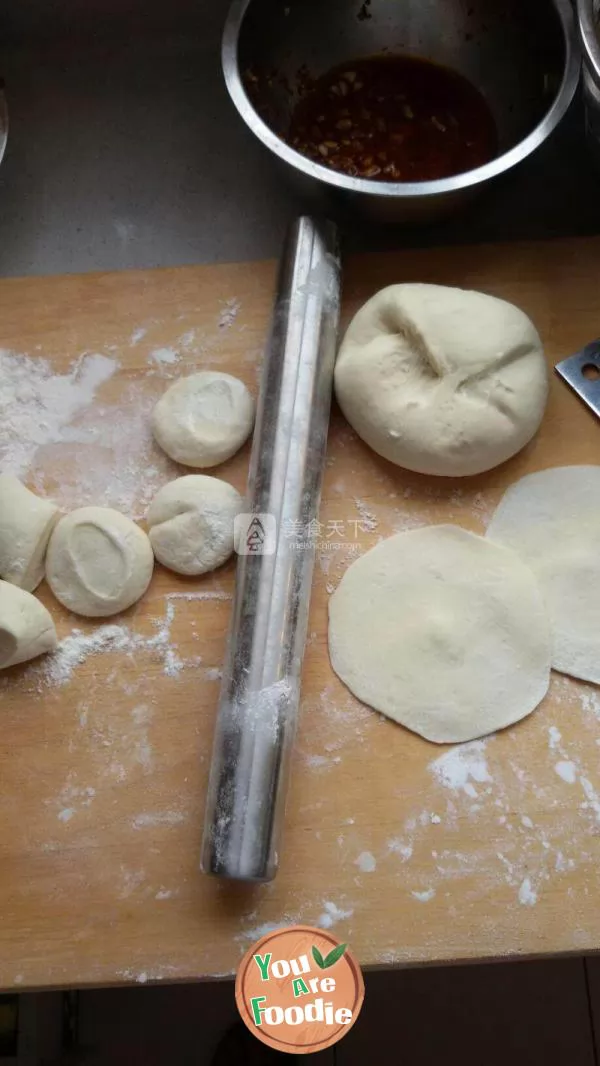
{"x":99,"y":562}
{"x":26,"y":522}
{"x":26,"y":628}
{"x":442,"y":381}
{"x":204,"y":419}
{"x":190,"y":523}
{"x":442,"y":631}
{"x":552,"y":520}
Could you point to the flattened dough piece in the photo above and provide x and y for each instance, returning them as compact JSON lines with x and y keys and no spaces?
{"x":441,"y":380}
{"x":26,"y":522}
{"x":552,"y":520}
{"x":442,"y":631}
{"x":99,"y":562}
{"x":204,"y":419}
{"x":26,"y":628}
{"x":190,"y":523}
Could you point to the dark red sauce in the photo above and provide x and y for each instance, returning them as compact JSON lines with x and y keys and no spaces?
{"x":394,"y":118}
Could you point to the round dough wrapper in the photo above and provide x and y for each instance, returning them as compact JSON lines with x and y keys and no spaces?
{"x":99,"y":562}
{"x":204,"y":419}
{"x":552,"y":520}
{"x":26,"y":522}
{"x":26,"y":628}
{"x":440,"y":380}
{"x":191,"y":521}
{"x":442,"y":631}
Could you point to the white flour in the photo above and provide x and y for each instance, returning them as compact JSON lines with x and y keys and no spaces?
{"x":401,"y":848}
{"x":366,"y":862}
{"x":462,"y":765}
{"x":267,"y":927}
{"x":229,"y":313}
{"x":527,"y":895}
{"x":58,"y":668}
{"x":425,"y":896}
{"x":137,"y":336}
{"x":332,"y":914}
{"x":73,"y":650}
{"x":37,"y":405}
{"x":554,"y":737}
{"x":164,"y":357}
{"x":566,"y":770}
{"x":368,"y":522}
{"x":157,"y":818}
{"x":107,"y":457}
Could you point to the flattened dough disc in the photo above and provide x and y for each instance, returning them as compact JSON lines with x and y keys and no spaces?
{"x":552,"y":519}
{"x":444,"y":632}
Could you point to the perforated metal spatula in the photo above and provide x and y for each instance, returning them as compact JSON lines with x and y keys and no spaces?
{"x":582,"y":373}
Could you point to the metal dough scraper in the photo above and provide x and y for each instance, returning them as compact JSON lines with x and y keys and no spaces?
{"x":582,"y":373}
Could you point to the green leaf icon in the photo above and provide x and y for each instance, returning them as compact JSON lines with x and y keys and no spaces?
{"x":334,"y":955}
{"x":316,"y":954}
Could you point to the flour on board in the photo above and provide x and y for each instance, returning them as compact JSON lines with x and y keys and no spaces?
{"x":425,"y":895}
{"x":332,"y":913}
{"x":153,"y":819}
{"x":107,"y":456}
{"x":164,"y":357}
{"x":464,"y":764}
{"x":527,"y":895}
{"x":250,"y":935}
{"x":73,"y":650}
{"x":368,"y":521}
{"x":229,"y":312}
{"x":566,"y":770}
{"x":137,"y":335}
{"x":37,"y":405}
{"x":400,"y":847}
{"x":366,"y":862}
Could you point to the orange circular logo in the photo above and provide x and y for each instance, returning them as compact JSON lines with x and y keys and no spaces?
{"x":299,"y":990}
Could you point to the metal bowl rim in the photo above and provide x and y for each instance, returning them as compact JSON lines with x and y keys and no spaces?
{"x":3,"y":124}
{"x":401,"y":190}
{"x":588,"y":32}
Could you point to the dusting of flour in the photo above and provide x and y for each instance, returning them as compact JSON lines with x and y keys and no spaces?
{"x":37,"y":405}
{"x":463,"y":767}
{"x":57,"y":668}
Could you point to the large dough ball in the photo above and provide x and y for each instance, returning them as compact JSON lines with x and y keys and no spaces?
{"x":26,"y":628}
{"x":190,"y":523}
{"x":440,"y":380}
{"x":26,"y":523}
{"x":99,"y":562}
{"x":444,"y":632}
{"x":552,"y":520}
{"x":204,"y":419}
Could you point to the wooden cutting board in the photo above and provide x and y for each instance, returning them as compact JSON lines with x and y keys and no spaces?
{"x":412,"y":852}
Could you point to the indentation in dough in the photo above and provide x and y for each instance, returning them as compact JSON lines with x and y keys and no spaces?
{"x":202,"y":420}
{"x":214,"y":402}
{"x":191,"y":523}
{"x":98,"y":558}
{"x":459,"y":376}
{"x":99,"y":562}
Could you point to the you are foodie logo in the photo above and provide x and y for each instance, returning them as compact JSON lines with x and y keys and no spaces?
{"x":299,"y":990}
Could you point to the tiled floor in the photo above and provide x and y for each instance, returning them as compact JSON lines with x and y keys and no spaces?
{"x":522,"y":1014}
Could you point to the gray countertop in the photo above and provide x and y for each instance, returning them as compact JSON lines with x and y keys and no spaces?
{"x":126,"y":152}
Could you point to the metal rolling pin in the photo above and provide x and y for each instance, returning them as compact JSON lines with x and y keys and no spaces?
{"x":259,"y":698}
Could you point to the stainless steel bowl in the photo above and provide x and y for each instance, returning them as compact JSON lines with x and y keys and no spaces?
{"x":3,"y":123}
{"x":523,"y":56}
{"x":589,"y":29}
